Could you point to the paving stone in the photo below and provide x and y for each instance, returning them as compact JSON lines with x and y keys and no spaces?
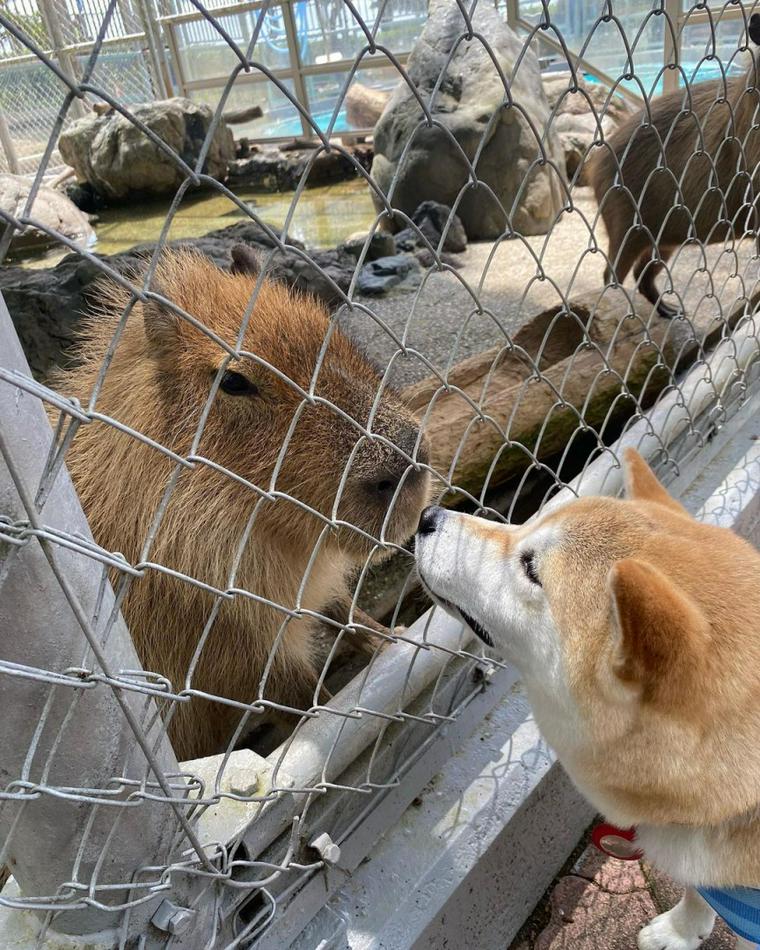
{"x":585,"y":917}
{"x":667,"y":893}
{"x":603,"y":903}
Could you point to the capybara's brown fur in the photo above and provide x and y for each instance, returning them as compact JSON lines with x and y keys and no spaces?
{"x":682,"y":169}
{"x":265,"y":512}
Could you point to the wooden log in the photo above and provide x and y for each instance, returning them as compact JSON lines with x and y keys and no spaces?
{"x":500,"y":411}
{"x":238,"y":116}
{"x":364,"y":105}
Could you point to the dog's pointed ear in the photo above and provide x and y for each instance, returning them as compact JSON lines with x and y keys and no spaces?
{"x":660,"y":634}
{"x":641,"y":484}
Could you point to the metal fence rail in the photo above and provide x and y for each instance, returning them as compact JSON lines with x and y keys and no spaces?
{"x":117,"y":822}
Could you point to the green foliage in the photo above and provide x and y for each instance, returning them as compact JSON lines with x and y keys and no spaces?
{"x":31,"y":23}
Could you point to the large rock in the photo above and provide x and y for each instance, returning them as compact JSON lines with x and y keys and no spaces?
{"x":575,"y":121}
{"x":51,"y":208}
{"x":470,"y":95}
{"x":274,"y":169}
{"x":381,"y":275}
{"x":578,"y":133}
{"x":119,"y":160}
{"x":433,"y":219}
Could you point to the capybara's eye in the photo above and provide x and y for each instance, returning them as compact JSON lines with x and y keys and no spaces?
{"x":235,"y":384}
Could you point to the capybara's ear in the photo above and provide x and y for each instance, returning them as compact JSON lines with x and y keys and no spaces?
{"x":244,"y":260}
{"x":753,"y":28}
{"x":641,"y":483}
{"x":659,"y":633}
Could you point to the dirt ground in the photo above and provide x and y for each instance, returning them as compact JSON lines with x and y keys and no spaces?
{"x":498,"y":287}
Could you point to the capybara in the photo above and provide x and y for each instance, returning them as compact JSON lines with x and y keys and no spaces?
{"x":285,"y":496}
{"x":682,"y":169}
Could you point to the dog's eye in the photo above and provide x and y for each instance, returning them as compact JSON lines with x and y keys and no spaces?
{"x":527,"y":559}
{"x":235,"y":384}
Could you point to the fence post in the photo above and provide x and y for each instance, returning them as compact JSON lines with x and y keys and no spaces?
{"x":299,"y":84}
{"x":159,"y":66}
{"x":58,"y":44}
{"x":671,"y":50}
{"x":74,"y":816}
{"x":7,"y":143}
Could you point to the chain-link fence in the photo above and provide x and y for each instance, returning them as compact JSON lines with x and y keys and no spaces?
{"x":219,"y":680}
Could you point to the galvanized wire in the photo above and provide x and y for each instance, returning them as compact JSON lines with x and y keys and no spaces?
{"x":722,"y":283}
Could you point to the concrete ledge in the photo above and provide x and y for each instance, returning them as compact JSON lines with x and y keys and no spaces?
{"x":468,"y":860}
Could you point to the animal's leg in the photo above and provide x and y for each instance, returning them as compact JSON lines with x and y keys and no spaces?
{"x":742,"y":944}
{"x":645,"y":271}
{"x":622,"y":255}
{"x":368,"y":642}
{"x":683,"y":927}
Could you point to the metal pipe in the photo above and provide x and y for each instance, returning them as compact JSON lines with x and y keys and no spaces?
{"x":64,"y":57}
{"x":302,"y":95}
{"x":8,"y":147}
{"x":672,"y":45}
{"x":74,"y":822}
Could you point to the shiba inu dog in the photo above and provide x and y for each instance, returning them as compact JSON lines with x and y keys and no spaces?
{"x":637,"y":633}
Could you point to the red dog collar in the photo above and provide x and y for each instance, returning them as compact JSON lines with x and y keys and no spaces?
{"x":616,"y":842}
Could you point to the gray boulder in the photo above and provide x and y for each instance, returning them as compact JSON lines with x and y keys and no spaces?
{"x":578,"y":133}
{"x":433,"y":218}
{"x":119,"y":160}
{"x":471,"y":109}
{"x":51,"y":208}
{"x":379,"y":276}
{"x":275,"y":169}
{"x":381,"y":244}
{"x":575,"y":120}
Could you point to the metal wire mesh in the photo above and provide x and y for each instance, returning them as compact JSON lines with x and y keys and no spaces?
{"x":239,"y":870}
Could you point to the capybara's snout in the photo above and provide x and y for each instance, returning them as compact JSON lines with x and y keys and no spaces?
{"x":387,"y":477}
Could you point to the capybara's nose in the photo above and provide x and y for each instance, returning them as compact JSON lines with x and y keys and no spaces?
{"x":429,"y":519}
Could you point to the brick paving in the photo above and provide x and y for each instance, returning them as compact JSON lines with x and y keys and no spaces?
{"x":600,"y":903}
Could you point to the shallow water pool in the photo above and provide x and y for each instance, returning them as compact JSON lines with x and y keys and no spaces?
{"x":323,"y":217}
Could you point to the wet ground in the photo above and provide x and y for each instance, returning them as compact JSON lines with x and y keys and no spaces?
{"x":323,"y":217}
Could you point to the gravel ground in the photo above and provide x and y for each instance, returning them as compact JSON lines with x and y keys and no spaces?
{"x":496,"y":290}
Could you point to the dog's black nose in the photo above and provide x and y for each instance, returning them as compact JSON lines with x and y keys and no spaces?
{"x":429,"y":520}
{"x":754,"y":28}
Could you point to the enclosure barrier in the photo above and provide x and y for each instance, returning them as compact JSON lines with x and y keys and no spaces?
{"x":529,"y":374}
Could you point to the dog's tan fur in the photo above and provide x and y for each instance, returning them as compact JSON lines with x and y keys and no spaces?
{"x":644,"y":670}
{"x":158,"y":383}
